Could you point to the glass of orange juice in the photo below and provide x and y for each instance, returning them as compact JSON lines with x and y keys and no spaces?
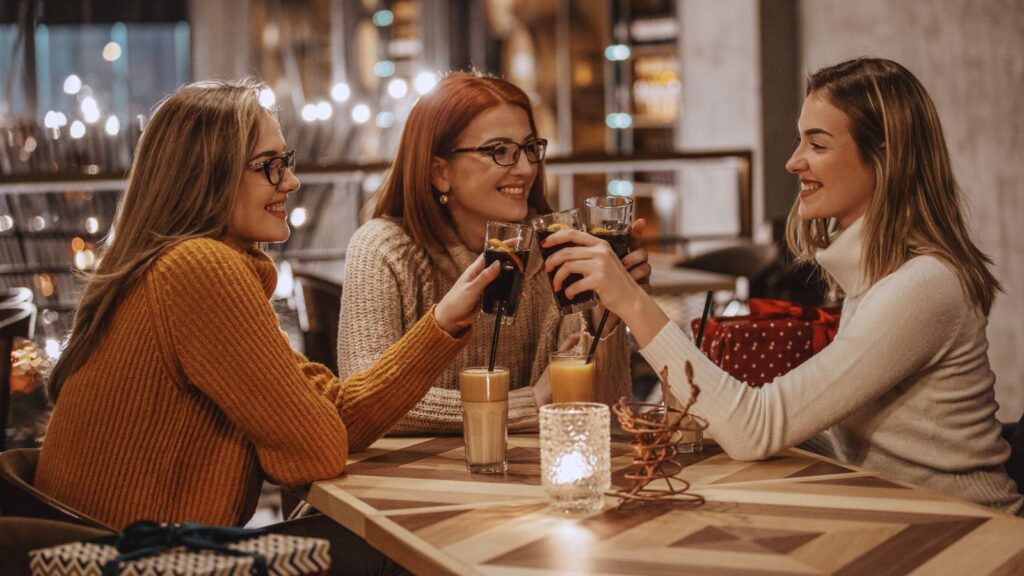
{"x":572,"y":377}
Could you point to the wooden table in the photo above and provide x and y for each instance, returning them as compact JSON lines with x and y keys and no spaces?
{"x":669,"y":280}
{"x":798,"y":513}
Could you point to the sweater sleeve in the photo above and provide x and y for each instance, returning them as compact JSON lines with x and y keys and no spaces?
{"x":374,"y":399}
{"x":225,"y":338}
{"x":287,"y":405}
{"x":903,"y":324}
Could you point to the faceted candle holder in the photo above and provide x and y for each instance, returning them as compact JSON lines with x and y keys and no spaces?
{"x":575,"y":454}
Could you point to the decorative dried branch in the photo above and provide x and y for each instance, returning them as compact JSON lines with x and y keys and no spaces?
{"x":655,"y":446}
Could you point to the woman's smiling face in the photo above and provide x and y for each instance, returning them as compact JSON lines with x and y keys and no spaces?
{"x":835,"y":181}
{"x":479,"y":189}
{"x":259,"y":213}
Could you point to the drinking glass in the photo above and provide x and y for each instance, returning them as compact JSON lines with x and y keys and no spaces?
{"x":575,"y":455}
{"x":610,"y":218}
{"x":485,"y":418}
{"x":689,"y":439}
{"x":572,"y":377}
{"x":546,"y":226}
{"x":508,"y":244}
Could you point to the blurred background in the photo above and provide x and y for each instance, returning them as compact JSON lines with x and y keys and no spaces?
{"x":687,"y":106}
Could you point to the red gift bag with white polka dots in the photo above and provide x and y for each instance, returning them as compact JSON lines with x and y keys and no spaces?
{"x":776,"y":337}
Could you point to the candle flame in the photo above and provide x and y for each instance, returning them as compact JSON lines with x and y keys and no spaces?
{"x":572,"y":467}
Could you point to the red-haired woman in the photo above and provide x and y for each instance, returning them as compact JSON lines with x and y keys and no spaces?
{"x":469,"y":153}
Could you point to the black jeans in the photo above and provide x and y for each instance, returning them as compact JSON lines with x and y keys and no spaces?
{"x":350,"y":554}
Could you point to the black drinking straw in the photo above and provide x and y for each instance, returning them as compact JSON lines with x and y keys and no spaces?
{"x":597,"y":337}
{"x":703,"y":319}
{"x":494,"y":339}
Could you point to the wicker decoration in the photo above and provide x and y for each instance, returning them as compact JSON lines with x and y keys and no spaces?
{"x":656,"y":429}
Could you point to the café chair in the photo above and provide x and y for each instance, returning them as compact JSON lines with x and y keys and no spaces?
{"x":750,"y":262}
{"x":17,"y":320}
{"x":18,"y":497}
{"x":15,"y":295}
{"x":20,"y":535}
{"x":318,"y":302}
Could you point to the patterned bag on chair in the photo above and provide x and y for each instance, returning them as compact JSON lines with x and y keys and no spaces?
{"x":152,"y":549}
{"x":776,"y":337}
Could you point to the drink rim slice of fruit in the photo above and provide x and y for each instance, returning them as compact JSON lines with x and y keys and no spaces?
{"x":499,"y":246}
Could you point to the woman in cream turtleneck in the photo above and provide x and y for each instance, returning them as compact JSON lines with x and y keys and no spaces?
{"x":905,"y":388}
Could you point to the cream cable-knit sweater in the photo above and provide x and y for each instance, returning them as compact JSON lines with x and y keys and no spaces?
{"x":390,"y":281}
{"x":905,"y":386}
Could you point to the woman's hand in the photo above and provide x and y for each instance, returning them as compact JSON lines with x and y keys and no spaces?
{"x":601,"y":269}
{"x":603,"y":273}
{"x":455,"y":312}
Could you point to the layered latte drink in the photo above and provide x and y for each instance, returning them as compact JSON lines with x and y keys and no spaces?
{"x":485,"y":418}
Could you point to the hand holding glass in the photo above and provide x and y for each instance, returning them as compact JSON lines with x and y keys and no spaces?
{"x":546,"y":226}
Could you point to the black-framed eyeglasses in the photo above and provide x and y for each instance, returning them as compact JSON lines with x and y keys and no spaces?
{"x":507,"y":153}
{"x":274,"y":167}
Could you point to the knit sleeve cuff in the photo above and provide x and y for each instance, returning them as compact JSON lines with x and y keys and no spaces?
{"x":461,"y":338}
{"x":522,"y":410}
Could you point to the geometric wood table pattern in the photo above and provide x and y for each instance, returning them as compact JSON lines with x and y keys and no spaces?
{"x":796,"y":513}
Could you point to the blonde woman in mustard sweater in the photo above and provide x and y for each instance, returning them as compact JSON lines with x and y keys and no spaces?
{"x":905,"y":388}
{"x":177,"y":393}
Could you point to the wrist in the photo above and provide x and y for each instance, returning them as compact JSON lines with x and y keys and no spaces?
{"x":445,"y":323}
{"x":644,"y":317}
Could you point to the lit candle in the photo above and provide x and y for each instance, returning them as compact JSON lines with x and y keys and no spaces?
{"x":571,"y":468}
{"x":575,"y":455}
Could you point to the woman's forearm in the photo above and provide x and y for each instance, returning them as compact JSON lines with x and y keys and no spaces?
{"x":643,"y":316}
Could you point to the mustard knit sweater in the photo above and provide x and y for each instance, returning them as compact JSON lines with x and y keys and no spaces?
{"x":194,"y":396}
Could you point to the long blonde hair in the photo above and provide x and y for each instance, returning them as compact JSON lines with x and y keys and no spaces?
{"x":187,"y":167}
{"x":916,"y":207}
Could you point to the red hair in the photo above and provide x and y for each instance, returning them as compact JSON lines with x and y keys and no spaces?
{"x":433,"y":128}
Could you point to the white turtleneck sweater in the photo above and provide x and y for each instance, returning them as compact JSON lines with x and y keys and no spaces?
{"x":904,"y":389}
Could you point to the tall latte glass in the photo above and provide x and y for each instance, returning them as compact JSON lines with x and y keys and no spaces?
{"x":485,"y":418}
